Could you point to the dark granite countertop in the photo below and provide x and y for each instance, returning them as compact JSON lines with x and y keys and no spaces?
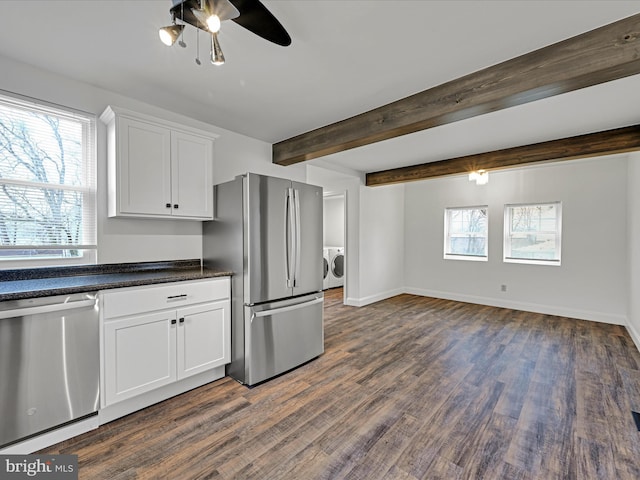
{"x":44,"y":281}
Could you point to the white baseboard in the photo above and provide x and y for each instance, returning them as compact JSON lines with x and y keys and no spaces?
{"x":133,"y":404}
{"x":590,"y":315}
{"x":361,"y":302}
{"x":524,"y":306}
{"x":634,"y":334}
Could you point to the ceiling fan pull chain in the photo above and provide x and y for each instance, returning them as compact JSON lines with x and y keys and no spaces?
{"x":198,"y":46}
{"x":181,"y":41}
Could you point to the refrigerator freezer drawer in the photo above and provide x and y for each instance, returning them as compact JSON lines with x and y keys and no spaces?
{"x":281,"y":336}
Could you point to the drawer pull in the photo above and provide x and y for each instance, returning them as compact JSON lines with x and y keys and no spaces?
{"x":182,"y":320}
{"x":173,"y":321}
{"x":177,"y":297}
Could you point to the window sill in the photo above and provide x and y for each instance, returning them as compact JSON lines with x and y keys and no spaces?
{"x":89,"y":257}
{"x":553,"y":263}
{"x":469,"y":258}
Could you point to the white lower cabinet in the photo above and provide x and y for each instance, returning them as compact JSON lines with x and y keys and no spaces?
{"x":140,"y":355}
{"x":200,"y":331}
{"x":143,"y":350}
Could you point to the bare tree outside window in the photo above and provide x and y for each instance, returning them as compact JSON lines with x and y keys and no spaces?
{"x":533,"y":232}
{"x":466,"y":232}
{"x":45,"y":189}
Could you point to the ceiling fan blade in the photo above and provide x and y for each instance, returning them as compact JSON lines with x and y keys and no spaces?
{"x":224,"y":9}
{"x":255,"y":17}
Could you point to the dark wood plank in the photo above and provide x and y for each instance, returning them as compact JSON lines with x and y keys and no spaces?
{"x":620,"y":140}
{"x":595,"y":461}
{"x":484,"y":451}
{"x":601,"y":55}
{"x":408,"y":388}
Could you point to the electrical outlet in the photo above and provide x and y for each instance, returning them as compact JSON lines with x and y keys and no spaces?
{"x":503,"y":288}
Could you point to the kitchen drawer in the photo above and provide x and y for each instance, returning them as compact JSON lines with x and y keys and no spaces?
{"x":135,"y":300}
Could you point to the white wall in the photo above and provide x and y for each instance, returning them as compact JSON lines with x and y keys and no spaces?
{"x":134,"y":240}
{"x":590,"y":283}
{"x":382,"y":233}
{"x":238,"y":154}
{"x":633,"y":236}
{"x":333,"y":221}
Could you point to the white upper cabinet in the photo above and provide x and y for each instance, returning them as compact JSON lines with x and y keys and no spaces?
{"x":142,"y":166}
{"x":156,"y":168}
{"x":192,"y":183}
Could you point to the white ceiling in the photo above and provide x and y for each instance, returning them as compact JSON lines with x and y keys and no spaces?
{"x":347,"y":57}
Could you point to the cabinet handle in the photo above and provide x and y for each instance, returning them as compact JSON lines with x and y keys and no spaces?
{"x":173,"y":321}
{"x":177,"y":297}
{"x":175,"y":205}
{"x":168,"y":205}
{"x":182,"y":320}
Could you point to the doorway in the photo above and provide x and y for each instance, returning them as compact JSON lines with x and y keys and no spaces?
{"x":334,"y":240}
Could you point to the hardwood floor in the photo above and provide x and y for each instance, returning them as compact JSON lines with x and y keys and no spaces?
{"x":408,"y":388}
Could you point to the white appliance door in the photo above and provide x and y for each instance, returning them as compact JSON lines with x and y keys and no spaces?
{"x":282,"y":335}
{"x":308,"y":263}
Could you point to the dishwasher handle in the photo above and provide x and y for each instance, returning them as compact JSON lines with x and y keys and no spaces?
{"x":56,"y":307}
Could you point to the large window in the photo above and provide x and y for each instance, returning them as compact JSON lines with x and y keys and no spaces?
{"x":532,"y":233}
{"x":465,"y":233}
{"x":47,"y":185}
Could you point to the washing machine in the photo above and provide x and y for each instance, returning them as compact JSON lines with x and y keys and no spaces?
{"x":336,"y":267}
{"x":325,"y":268}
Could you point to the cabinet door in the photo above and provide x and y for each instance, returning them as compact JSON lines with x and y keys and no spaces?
{"x":139,"y":354}
{"x":144,"y":168}
{"x":191,"y":172}
{"x":204,"y":339}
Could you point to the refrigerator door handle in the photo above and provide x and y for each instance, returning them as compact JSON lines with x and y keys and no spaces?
{"x":296,"y":271}
{"x":290,"y":223}
{"x":276,"y":311}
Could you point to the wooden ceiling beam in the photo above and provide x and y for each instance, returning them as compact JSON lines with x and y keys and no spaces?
{"x":601,"y":55}
{"x":608,"y":142}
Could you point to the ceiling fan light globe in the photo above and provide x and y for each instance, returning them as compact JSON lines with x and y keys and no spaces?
{"x":169,"y":35}
{"x":165,"y":37}
{"x":213,"y":23}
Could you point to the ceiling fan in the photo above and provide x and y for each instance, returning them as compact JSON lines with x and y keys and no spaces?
{"x":208,"y":15}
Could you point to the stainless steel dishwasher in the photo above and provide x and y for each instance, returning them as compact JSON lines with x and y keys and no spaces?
{"x":49,"y":363}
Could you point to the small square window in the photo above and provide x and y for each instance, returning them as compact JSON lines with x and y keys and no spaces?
{"x":532,"y":233}
{"x":465,"y":233}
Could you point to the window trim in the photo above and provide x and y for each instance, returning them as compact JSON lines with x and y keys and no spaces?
{"x":506,"y":246}
{"x":446,"y":242}
{"x":88,"y":246}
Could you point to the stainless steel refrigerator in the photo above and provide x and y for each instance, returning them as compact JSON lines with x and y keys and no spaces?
{"x":268,"y":232}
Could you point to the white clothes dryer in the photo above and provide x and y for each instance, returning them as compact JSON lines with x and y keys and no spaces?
{"x":325,"y":268}
{"x":336,"y":267}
